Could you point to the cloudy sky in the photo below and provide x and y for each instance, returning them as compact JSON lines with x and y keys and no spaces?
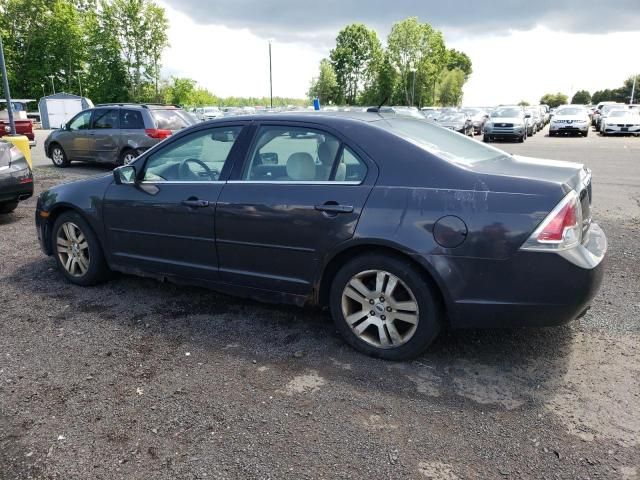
{"x":520,"y":50}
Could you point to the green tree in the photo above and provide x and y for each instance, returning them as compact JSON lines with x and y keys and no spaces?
{"x":105,"y":75}
{"x":449,"y":89}
{"x":523,"y":103}
{"x":385,"y":85}
{"x":554,"y":99}
{"x":180,"y":91}
{"x":325,"y":86}
{"x":581,"y":97}
{"x":418,"y":53}
{"x":355,"y":60}
{"x":457,"y":59}
{"x":140,"y":26}
{"x":42,"y":38}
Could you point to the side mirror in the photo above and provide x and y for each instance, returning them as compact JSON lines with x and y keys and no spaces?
{"x":125,"y":175}
{"x":528,"y":115}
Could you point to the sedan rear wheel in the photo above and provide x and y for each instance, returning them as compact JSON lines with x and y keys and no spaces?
{"x":77,"y":250}
{"x":384,"y":307}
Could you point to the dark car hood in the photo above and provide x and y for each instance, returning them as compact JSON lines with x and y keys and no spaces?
{"x":574,"y":175}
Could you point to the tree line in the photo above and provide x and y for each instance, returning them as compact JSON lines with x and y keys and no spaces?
{"x":415,"y":68}
{"x":584,"y":97}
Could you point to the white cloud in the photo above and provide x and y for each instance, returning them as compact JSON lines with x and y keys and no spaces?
{"x":519,"y":65}
{"x":526,"y":65}
{"x":235,"y":62}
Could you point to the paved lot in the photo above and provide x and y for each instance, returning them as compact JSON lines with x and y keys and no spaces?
{"x":137,"y":379}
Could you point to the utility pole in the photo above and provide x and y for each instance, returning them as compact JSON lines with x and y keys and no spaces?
{"x":79,"y":82}
{"x":270,"y":77}
{"x":7,"y":93}
{"x":413,"y":88}
{"x":53,"y":87}
{"x":633,"y":89}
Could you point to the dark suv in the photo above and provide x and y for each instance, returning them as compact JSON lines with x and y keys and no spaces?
{"x":114,"y":133}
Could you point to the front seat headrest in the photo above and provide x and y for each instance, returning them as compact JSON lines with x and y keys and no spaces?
{"x":301,"y":167}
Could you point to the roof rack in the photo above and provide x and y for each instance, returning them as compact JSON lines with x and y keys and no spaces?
{"x":129,"y":104}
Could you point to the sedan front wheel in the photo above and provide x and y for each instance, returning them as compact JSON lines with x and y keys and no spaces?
{"x":384,"y":307}
{"x":77,"y":250}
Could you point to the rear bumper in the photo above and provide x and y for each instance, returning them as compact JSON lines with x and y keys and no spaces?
{"x":16,"y":186}
{"x":33,"y":143}
{"x":531,"y":289}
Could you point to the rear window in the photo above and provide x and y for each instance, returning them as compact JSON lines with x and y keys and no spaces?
{"x":442,"y":142}
{"x":131,"y":119}
{"x":170,"y":119}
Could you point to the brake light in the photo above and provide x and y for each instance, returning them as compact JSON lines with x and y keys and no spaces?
{"x":561,"y":229}
{"x":555,"y":229}
{"x":157,"y":133}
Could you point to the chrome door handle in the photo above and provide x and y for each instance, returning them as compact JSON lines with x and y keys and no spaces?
{"x":334,"y":208}
{"x":195,"y":203}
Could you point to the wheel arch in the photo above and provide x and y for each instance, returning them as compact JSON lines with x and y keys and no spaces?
{"x":54,"y":214}
{"x":339,"y":258}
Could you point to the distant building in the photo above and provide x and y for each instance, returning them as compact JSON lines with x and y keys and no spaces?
{"x":59,"y":108}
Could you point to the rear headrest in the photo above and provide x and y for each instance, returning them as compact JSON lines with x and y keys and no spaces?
{"x":301,"y":167}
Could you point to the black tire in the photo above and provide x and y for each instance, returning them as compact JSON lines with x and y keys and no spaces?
{"x":586,"y":134}
{"x":486,"y":138}
{"x":58,"y":156}
{"x":552,"y":134}
{"x":8,"y":207}
{"x":97,"y":271}
{"x":521,"y":138}
{"x":127,"y":155}
{"x":429,"y":321}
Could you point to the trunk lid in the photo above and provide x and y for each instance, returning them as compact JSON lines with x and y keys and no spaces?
{"x":571,"y":175}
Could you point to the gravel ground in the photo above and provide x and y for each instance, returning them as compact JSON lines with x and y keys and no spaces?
{"x":138,"y":379}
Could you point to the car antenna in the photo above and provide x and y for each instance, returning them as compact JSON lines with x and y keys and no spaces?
{"x":377,"y":109}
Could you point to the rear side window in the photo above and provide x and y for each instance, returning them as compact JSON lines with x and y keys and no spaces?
{"x":105,"y":118}
{"x":131,"y":119}
{"x":169,"y":120}
{"x":293,"y":154}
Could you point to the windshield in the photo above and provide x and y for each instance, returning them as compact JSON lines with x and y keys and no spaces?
{"x":608,"y":108}
{"x":506,"y":112}
{"x":442,"y":142}
{"x":571,"y":111}
{"x":618,"y":113}
{"x":453,"y":117}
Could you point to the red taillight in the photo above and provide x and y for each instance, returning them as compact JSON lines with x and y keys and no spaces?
{"x":157,"y":133}
{"x":561,"y":229}
{"x":564,"y":219}
{"x":27,"y":180}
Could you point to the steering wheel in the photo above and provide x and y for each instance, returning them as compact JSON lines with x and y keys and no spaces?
{"x":185,"y":172}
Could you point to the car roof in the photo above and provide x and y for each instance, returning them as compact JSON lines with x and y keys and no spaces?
{"x":324,"y":117}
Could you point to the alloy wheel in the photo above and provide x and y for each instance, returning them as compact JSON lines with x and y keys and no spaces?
{"x":57,"y":156}
{"x":380,"y":309}
{"x":128,"y":158}
{"x":73,"y":249}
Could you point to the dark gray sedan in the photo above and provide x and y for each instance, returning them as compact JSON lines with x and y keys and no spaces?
{"x":398,"y":226}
